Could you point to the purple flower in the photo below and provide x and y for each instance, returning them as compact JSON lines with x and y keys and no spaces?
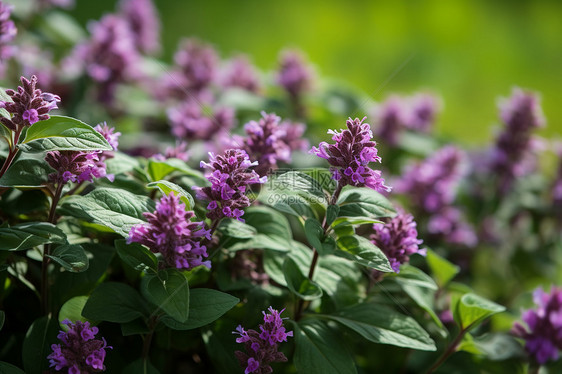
{"x":398,"y":239}
{"x":57,"y":3}
{"x":170,"y":232}
{"x":543,"y":338}
{"x":512,"y":155}
{"x":189,"y":122}
{"x":179,"y":151}
{"x":80,"y":351}
{"x":240,"y":73}
{"x":28,"y":106}
{"x":262,"y":347}
{"x":144,"y":23}
{"x":391,"y":117}
{"x":450,"y":224}
{"x":423,"y":109}
{"x":351,"y":155}
{"x":294,"y":75}
{"x":294,"y":135}
{"x":109,"y":134}
{"x":230,"y":177}
{"x":8,"y":32}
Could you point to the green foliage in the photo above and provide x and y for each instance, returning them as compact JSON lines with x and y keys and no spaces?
{"x":298,"y":283}
{"x":166,"y":187}
{"x":169,"y":291}
{"x":362,"y":251}
{"x":137,"y":256}
{"x":442,"y":270}
{"x":364,"y":204}
{"x":27,"y":174}
{"x":71,"y":257}
{"x":471,"y":309}
{"x":29,"y":235}
{"x":72,"y":309}
{"x":37,"y":344}
{"x":114,"y":302}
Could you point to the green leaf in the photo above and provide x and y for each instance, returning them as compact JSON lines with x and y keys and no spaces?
{"x":169,"y":291}
{"x":27,"y":174}
{"x":72,"y":309}
{"x":364,"y":252}
{"x":120,"y":163}
{"x":364,"y":203}
{"x":71,"y":257}
{"x":236,"y":229}
{"x":114,"y":302}
{"x":297,"y":183}
{"x":136,"y":327}
{"x":314,"y":233}
{"x":158,"y":170}
{"x":2,"y":319}
{"x":29,"y":235}
{"x":442,"y":270}
{"x":140,"y":366}
{"x":320,"y":350}
{"x":137,"y":256}
{"x":205,"y":306}
{"x":166,"y":187}
{"x":6,"y":368}
{"x":60,"y":133}
{"x":472,"y":309}
{"x":37,"y":344}
{"x":298,"y":283}
{"x":331,"y":214}
{"x":385,"y":326}
{"x":117,"y":209}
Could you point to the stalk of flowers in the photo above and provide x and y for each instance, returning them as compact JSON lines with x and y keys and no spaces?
{"x":178,"y":151}
{"x":295,"y":77}
{"x":8,"y":32}
{"x":189,"y":122}
{"x":79,"y":351}
{"x":144,"y":23}
{"x":171,"y":232}
{"x":241,"y":73}
{"x":350,"y":157}
{"x":513,"y":154}
{"x":262,"y":347}
{"x":543,"y":335}
{"x":230,"y":177}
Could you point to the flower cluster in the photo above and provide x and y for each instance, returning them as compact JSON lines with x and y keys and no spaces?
{"x":144,"y":24}
{"x":80,"y":351}
{"x":294,"y":75}
{"x":240,"y":73}
{"x":189,"y":122}
{"x":8,"y":32}
{"x":262,"y":347}
{"x":28,"y":106}
{"x":397,"y":113}
{"x":512,"y":155}
{"x":265,"y":142}
{"x":398,"y":239}
{"x":351,"y":155}
{"x":230,"y":176}
{"x":543,"y":338}
{"x":170,"y":232}
{"x":178,"y":151}
{"x":78,"y":166}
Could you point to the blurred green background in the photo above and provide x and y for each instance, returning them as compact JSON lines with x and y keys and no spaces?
{"x":468,"y":51}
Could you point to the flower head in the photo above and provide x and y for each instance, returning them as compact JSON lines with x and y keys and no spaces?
{"x":143,"y":22}
{"x":543,"y":337}
{"x":398,"y":239}
{"x":178,"y":151}
{"x":240,"y":73}
{"x":351,"y":155}
{"x":197,"y":65}
{"x":189,"y":122}
{"x":262,"y":347}
{"x":294,"y":75}
{"x":8,"y":32}
{"x":170,"y":232}
{"x":230,"y":177}
{"x":80,"y":351}
{"x":29,"y":105}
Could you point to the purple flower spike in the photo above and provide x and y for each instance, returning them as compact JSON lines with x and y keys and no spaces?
{"x":294,"y":75}
{"x":179,"y":151}
{"x":230,"y":176}
{"x":240,"y":73}
{"x":197,"y":64}
{"x":351,"y":155}
{"x":80,"y":351}
{"x":543,"y":338}
{"x":424,"y":108}
{"x":171,"y":232}
{"x":398,"y":239}
{"x":391,"y":117}
{"x":262,"y":347}
{"x":189,"y":122}
{"x":28,"y":106}
{"x":144,"y":23}
{"x":8,"y":32}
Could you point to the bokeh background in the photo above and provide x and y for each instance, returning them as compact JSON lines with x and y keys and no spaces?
{"x":469,"y":52}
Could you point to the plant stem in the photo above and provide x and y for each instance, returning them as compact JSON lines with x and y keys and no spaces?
{"x":11,"y":154}
{"x":47,"y":250}
{"x":450,"y":350}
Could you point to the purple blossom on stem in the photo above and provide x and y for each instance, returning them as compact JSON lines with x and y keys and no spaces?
{"x":144,"y":23}
{"x":8,"y":32}
{"x":240,"y":73}
{"x":262,"y":347}
{"x":351,"y":155}
{"x":179,"y":151}
{"x":80,"y":351}
{"x":449,"y":223}
{"x":543,"y":337}
{"x":424,"y":108}
{"x":230,"y":178}
{"x":170,"y":232}
{"x":294,"y":75}
{"x":189,"y":122}
{"x":391,"y":117}
{"x":29,"y":105}
{"x":294,"y":136}
{"x":398,"y":239}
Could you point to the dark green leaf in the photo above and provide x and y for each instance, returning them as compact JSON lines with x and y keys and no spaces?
{"x":29,"y":235}
{"x":320,"y":350}
{"x":158,"y":170}
{"x":236,"y":229}
{"x":296,"y":182}
{"x":6,"y":368}
{"x":120,"y":163}
{"x":117,"y":209}
{"x":298,"y":283}
{"x":71,"y":257}
{"x":37,"y":344}
{"x":136,"y":327}
{"x":27,"y":173}
{"x":314,"y":233}
{"x":331,"y":214}
{"x":166,"y":187}
{"x":72,"y":309}
{"x":364,"y":202}
{"x":205,"y":306}
{"x":140,"y":366}
{"x":114,"y":302}
{"x":364,"y":252}
{"x":63,"y":134}
{"x":2,"y":319}
{"x":472,"y":309}
{"x":136,"y":255}
{"x":169,"y":291}
{"x":268,"y":222}
{"x":383,"y":325}
{"x":442,"y":270}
